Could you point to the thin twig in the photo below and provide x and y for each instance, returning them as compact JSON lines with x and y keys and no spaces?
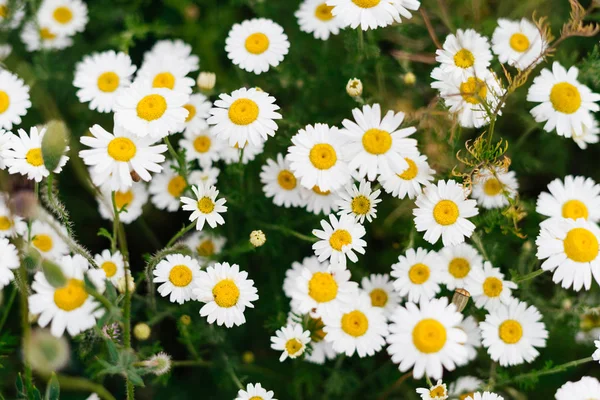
{"x":430,"y":29}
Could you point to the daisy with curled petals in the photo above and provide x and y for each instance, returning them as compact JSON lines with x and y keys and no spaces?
{"x":203,"y":146}
{"x":205,"y":207}
{"x":280,"y":183}
{"x":63,"y":17}
{"x":39,"y":37}
{"x":291,"y":340}
{"x":380,"y":289}
{"x":129,"y":202}
{"x":359,"y":202}
{"x":458,"y":263}
{"x":47,"y":241}
{"x":205,"y":246}
{"x":426,"y":338}
{"x":247,"y":115}
{"x":493,"y":188}
{"x":488,"y":287}
{"x":442,"y":210}
{"x":464,"y":55}
{"x":10,"y":261}
{"x":584,"y":389}
{"x":576,"y":197}
{"x":464,"y":387}
{"x":339,"y":239}
{"x":409,"y":182}
{"x":376,"y":146}
{"x":320,"y":201}
{"x":176,"y":49}
{"x":112,"y":264}
{"x":566,"y":105}
{"x":256,"y":45}
{"x":484,"y":396}
{"x":314,"y":16}
{"x":418,"y":274}
{"x":177,"y":275}
{"x":254,"y":392}
{"x":512,"y":333}
{"x":436,"y":392}
{"x":166,"y":188}
{"x":518,"y":43}
{"x":227,"y":292}
{"x":198,"y":112}
{"x":113,"y":156}
{"x":588,"y":135}
{"x":101,"y":76}
{"x":166,"y":72}
{"x":356,"y":326}
{"x":245,"y":154}
{"x":317,"y":157}
{"x":470,"y":326}
{"x":371,"y":14}
{"x":11,"y":225}
{"x":570,"y":248}
{"x":14,"y":99}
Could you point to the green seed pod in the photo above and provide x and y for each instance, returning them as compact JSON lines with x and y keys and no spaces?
{"x":53,"y":274}
{"x":54,"y":144}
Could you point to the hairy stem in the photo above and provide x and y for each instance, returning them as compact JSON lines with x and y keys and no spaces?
{"x":181,"y":232}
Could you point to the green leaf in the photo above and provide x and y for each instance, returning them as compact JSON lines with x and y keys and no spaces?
{"x":54,"y":144}
{"x":53,"y":274}
{"x":19,"y":384}
{"x":105,"y":233}
{"x":53,"y":388}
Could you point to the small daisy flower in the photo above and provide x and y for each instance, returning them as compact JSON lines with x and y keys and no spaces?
{"x":371,"y":14}
{"x":198,"y":112}
{"x":465,"y":54}
{"x":512,"y":332}
{"x":227,"y":292}
{"x":14,"y":99}
{"x":436,"y":392}
{"x":205,"y":245}
{"x":576,"y":197}
{"x":518,"y":43}
{"x":566,"y":105}
{"x":11,"y":14}
{"x":290,"y":282}
{"x":39,"y":37}
{"x":314,"y":16}
{"x":205,"y":207}
{"x":470,"y":326}
{"x":588,"y":135}
{"x":131,"y":201}
{"x":596,"y":354}
{"x":11,"y":225}
{"x":280,"y":183}
{"x":166,"y":189}
{"x":426,"y":338}
{"x":380,"y":289}
{"x":247,"y":153}
{"x":176,"y":49}
{"x":442,"y":210}
{"x":488,"y":287}
{"x":203,"y":146}
{"x":491,"y":188}
{"x":47,"y":241}
{"x":317,"y":157}
{"x":458,"y":263}
{"x":359,"y":202}
{"x":339,"y":239}
{"x":10,"y":261}
{"x":585,"y":388}
{"x":177,"y":274}
{"x":484,"y":396}
{"x":165,"y":72}
{"x":291,"y":340}
{"x":254,"y":392}
{"x":464,"y":387}
{"x":256,"y":45}
{"x":100,"y":77}
{"x":208,"y":176}
{"x":418,"y":274}
{"x":409,"y":182}
{"x":63,"y":17}
{"x":320,"y":201}
{"x":113,"y":265}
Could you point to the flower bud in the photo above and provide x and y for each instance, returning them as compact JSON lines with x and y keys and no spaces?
{"x":159,"y":363}
{"x":354,"y":88}
{"x":141,"y":331}
{"x":409,"y":78}
{"x":461,"y":299}
{"x":46,"y":353}
{"x":185,"y":320}
{"x":257,"y":238}
{"x":248,"y":357}
{"x":121,"y":284}
{"x":54,"y":144}
{"x":53,"y":274}
{"x":206,"y":81}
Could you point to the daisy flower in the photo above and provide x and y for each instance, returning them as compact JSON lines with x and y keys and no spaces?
{"x":491,"y":188}
{"x":570,"y":249}
{"x":177,"y":274}
{"x":247,"y":153}
{"x":484,"y":396}
{"x":280,"y":183}
{"x":371,"y":14}
{"x":426,"y":338}
{"x":442,"y":210}
{"x":227,"y":292}
{"x":359,"y":202}
{"x":464,"y":387}
{"x":10,"y":260}
{"x":113,"y":265}
{"x":512,"y":332}
{"x":14,"y":99}
{"x":320,"y":201}
{"x":205,"y":245}
{"x":585,"y":388}
{"x":254,"y":392}
{"x":518,"y":43}
{"x":166,"y":188}
{"x":100,"y":77}
{"x":131,"y":201}
{"x":11,"y":14}
{"x":314,"y":16}
{"x":113,"y":156}
{"x":465,"y":54}
{"x":488,"y":287}
{"x":290,"y":282}
{"x":39,"y":37}
{"x":566,"y":105}
{"x":256,"y":45}
{"x":380,"y":289}
{"x":177,"y":49}
{"x":247,"y":115}
{"x":356,"y":326}
{"x":291,"y":340}
{"x":377,"y":146}
{"x":165,"y":72}
{"x":317,"y":157}
{"x":198,"y":112}
{"x":418,"y":275}
{"x":458,"y":262}
{"x":339,"y":239}
{"x":63,"y":17}
{"x":203,"y":146}
{"x":409,"y":182}
{"x":576,"y":197}
{"x":208,"y":176}
{"x":5,"y":138}
{"x":11,"y":225}
{"x":470,"y":326}
{"x":205,"y":207}
{"x":436,"y":392}
{"x":47,"y":241}
{"x":588,"y":135}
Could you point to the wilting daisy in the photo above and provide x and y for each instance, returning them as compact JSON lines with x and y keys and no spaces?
{"x":584,"y":389}
{"x":427,"y":338}
{"x":203,"y":146}
{"x":177,"y":275}
{"x":291,"y":340}
{"x":198,"y":112}
{"x":10,"y":261}
{"x":14,"y":99}
{"x":205,"y":207}
{"x":458,"y":263}
{"x":131,"y":201}
{"x":570,"y":249}
{"x":227,"y":292}
{"x":320,"y":201}
{"x":314,"y":16}
{"x":359,"y":202}
{"x":380,"y":289}
{"x":464,"y":387}
{"x":11,"y":225}
{"x":317,"y":157}
{"x":247,"y":153}
{"x":464,"y":55}
{"x":442,"y":210}
{"x":47,"y":241}
{"x":492,"y":187}
{"x":518,"y":43}
{"x":208,"y":176}
{"x":254,"y":392}
{"x":166,"y":189}
{"x":280,"y":183}
{"x":418,"y":274}
{"x":566,"y":104}
{"x":576,"y":197}
{"x":112,"y":264}
{"x":588,"y":135}
{"x":409,"y":182}
{"x":484,"y":396}
{"x":371,"y":14}
{"x":339,"y":239}
{"x":115,"y":155}
{"x":488,"y":287}
{"x":38,"y":37}
{"x":176,"y":49}
{"x":205,"y":245}
{"x":470,"y":326}
{"x":512,"y":332}
{"x":63,"y":17}
{"x":256,"y":45}
{"x":11,"y":14}
{"x":436,"y":392}
{"x":101,"y":76}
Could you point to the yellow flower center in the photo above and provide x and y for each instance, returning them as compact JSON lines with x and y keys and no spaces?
{"x":379,"y":297}
{"x":519,"y":42}
{"x":164,"y":80}
{"x":43,"y":242}
{"x":445,"y":212}
{"x":581,"y":245}
{"x":437,"y":391}
{"x":110,"y":268}
{"x":318,"y":334}
{"x":180,"y":275}
{"x":226,"y":293}
{"x":492,"y":287}
{"x":191,"y":112}
{"x":339,"y":239}
{"x":206,"y":205}
{"x":34,"y":157}
{"x":243,"y":112}
{"x":5,"y":223}
{"x":464,"y":58}
{"x":411,"y":172}
{"x":322,"y":287}
{"x":293,"y":346}
{"x":377,"y":141}
{"x":151,"y":107}
{"x":123,"y":199}
{"x":206,"y":248}
{"x":565,"y":98}
{"x":286,"y":180}
{"x":355,"y":323}
{"x":320,"y":192}
{"x":429,"y":336}
{"x":459,"y":267}
{"x":122,"y":149}
{"x":257,"y":43}
{"x":323,"y":156}
{"x":510,"y":331}
{"x":108,"y":82}
{"x":361,"y":205}
{"x":176,"y":186}
{"x":574,"y":209}
{"x":62,"y":15}
{"x":418,"y":273}
{"x":323,"y":12}
{"x":256,"y":398}
{"x":202,"y":144}
{"x":4,"y":101}
{"x":71,"y":296}
{"x":473,"y":90}
{"x":46,"y":34}
{"x":466,"y":395}
{"x":3,"y":11}
{"x":492,"y":187}
{"x":366,"y":3}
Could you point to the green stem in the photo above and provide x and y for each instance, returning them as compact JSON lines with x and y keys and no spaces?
{"x":115,"y":223}
{"x":84,"y":385}
{"x":361,"y":41}
{"x":188,"y":342}
{"x":290,"y":232}
{"x":7,"y":307}
{"x":103,"y":300}
{"x":528,"y":276}
{"x":191,"y":363}
{"x":23,"y":294}
{"x":180,"y":160}
{"x":181,"y":232}
{"x":479,"y":244}
{"x":535,"y":374}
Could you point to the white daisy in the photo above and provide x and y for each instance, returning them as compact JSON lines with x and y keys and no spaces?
{"x":470,"y":326}
{"x":203,"y":146}
{"x":280,"y":183}
{"x":205,"y":207}
{"x":426,"y":338}
{"x":177,"y":274}
{"x":488,"y":288}
{"x":588,"y":135}
{"x":359,"y":202}
{"x":63,"y":17}
{"x":566,"y":105}
{"x":291,"y":340}
{"x":39,"y":37}
{"x":318,"y":201}
{"x":113,"y":265}
{"x":8,"y":262}
{"x":14,"y":99}
{"x":371,"y":14}
{"x":339,"y":239}
{"x":256,"y":45}
{"x":254,"y":392}
{"x":115,"y":155}
{"x":100,"y":77}
{"x":290,"y":282}
{"x":233,"y":154}
{"x":442,"y":210}
{"x":492,"y":187}
{"x":518,"y":43}
{"x":576,"y":197}
{"x":484,"y":396}
{"x":463,"y":55}
{"x":166,"y":188}
{"x":165,"y":72}
{"x":227,"y":292}
{"x":205,"y":246}
{"x":5,"y":138}
{"x":380,"y":289}
{"x":436,"y":392}
{"x":131,"y":201}
{"x":418,"y":274}
{"x":464,"y":387}
{"x":176,"y":49}
{"x":314,"y":16}
{"x":198,"y":112}
{"x":596,"y":354}
{"x":584,"y":389}
{"x":208,"y":176}
{"x":458,"y":263}
{"x":11,"y":225}
{"x":409,"y":182}
{"x":47,"y":241}
{"x":11,"y":14}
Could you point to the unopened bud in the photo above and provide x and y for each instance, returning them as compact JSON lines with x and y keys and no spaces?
{"x":461,"y":299}
{"x":248,"y":357}
{"x":257,"y":238}
{"x":121,"y":284}
{"x":159,"y":363}
{"x":46,"y":353}
{"x":53,"y":274}
{"x":354,"y":88}
{"x":141,"y":331}
{"x":185,"y":320}
{"x":206,"y":81}
{"x":54,"y":144}
{"x":192,"y":12}
{"x":409,"y":78}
